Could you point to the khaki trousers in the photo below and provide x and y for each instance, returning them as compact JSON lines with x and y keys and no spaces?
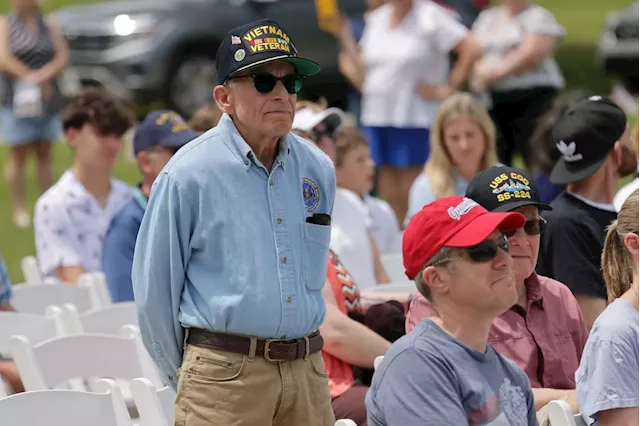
{"x":219,"y":388}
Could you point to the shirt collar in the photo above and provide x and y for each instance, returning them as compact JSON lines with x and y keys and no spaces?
{"x":243,"y":150}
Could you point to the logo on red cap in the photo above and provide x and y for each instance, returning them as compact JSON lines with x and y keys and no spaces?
{"x":461,"y":209}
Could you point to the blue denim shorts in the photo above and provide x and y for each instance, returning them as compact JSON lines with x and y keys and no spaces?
{"x":15,"y":131}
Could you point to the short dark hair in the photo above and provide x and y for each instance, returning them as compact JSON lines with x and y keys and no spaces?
{"x":96,"y":107}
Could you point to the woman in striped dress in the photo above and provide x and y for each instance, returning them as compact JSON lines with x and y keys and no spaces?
{"x":32,"y":54}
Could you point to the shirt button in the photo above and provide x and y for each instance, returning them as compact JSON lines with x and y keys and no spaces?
{"x":289,"y":299}
{"x":279,"y":220}
{"x":171,"y":378}
{"x":284,"y":259}
{"x":270,"y":181}
{"x":246,"y":162}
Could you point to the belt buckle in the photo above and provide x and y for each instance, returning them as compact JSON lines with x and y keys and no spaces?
{"x":267,"y":343}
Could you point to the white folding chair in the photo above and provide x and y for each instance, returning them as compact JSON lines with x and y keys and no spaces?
{"x":55,"y":407}
{"x":104,"y":320}
{"x":34,"y":299}
{"x":102,"y":290}
{"x":560,"y":414}
{"x":394,"y":267}
{"x":345,"y":422}
{"x":155,"y":407}
{"x":30,"y":271}
{"x":57,"y":361}
{"x":377,"y":361}
{"x":37,"y":328}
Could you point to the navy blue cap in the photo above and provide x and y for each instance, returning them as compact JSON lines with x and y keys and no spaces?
{"x":255,"y":44}
{"x":162,"y":128}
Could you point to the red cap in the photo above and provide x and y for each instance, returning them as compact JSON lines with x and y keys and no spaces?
{"x":450,"y":222}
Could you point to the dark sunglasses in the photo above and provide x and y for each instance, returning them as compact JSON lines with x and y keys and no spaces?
{"x":265,"y":82}
{"x":487,"y":250}
{"x":319,"y":134}
{"x":531,"y":227}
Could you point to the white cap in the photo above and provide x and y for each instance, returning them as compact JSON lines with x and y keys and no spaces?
{"x":307,"y":119}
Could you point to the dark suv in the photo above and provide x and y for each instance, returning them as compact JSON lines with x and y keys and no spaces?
{"x":148,"y":51}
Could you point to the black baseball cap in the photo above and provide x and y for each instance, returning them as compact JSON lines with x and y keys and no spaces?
{"x":162,"y":128}
{"x":502,"y":189}
{"x":255,"y":44}
{"x":584,"y":135}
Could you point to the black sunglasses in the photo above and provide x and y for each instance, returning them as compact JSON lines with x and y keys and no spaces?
{"x":487,"y":250}
{"x":531,"y":227}
{"x":265,"y":82}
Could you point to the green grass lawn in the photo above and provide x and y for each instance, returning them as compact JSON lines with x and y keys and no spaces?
{"x":583,"y":20}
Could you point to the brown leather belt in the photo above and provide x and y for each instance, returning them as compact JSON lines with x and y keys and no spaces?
{"x":271,"y":349}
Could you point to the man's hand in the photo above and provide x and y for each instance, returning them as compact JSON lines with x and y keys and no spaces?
{"x":10,"y":374}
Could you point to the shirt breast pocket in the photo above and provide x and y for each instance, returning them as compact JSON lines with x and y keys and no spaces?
{"x":315,"y":252}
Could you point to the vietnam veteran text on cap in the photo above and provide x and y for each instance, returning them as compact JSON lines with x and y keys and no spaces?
{"x":256,"y":44}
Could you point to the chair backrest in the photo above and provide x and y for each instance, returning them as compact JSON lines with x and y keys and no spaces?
{"x":345,"y":422}
{"x":34,"y":299}
{"x":560,"y":414}
{"x":377,"y":361}
{"x":102,"y":289}
{"x":55,"y":407}
{"x":393,"y":266}
{"x":55,"y":362}
{"x":30,"y":271}
{"x":36,"y":328}
{"x":104,"y":320}
{"x":155,"y":407}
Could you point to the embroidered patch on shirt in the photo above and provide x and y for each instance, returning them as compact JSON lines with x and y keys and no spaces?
{"x":310,"y":193}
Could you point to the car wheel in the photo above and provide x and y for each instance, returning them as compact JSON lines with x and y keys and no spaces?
{"x":191,"y":84}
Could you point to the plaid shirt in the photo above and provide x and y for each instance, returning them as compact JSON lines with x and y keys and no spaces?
{"x":5,"y":283}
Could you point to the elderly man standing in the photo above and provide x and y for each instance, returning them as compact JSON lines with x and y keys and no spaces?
{"x":444,"y":372}
{"x":232,"y":252}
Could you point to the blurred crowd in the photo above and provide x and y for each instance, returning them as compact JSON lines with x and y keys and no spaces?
{"x":445,"y":124}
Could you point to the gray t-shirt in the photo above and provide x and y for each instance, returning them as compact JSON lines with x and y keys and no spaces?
{"x":430,"y":378}
{"x":608,"y":374}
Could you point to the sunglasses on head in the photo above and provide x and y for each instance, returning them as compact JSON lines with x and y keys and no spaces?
{"x":487,"y":250}
{"x":531,"y":227}
{"x":265,"y":82}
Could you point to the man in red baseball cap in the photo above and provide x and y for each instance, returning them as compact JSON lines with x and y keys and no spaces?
{"x":444,"y":371}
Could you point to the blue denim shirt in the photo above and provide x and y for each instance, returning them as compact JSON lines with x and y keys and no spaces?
{"x":225,"y":245}
{"x":5,"y":283}
{"x":117,"y":253}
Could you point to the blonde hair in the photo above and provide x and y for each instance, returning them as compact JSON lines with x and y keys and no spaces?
{"x":617,"y":263}
{"x":439,"y":168}
{"x":347,"y":139}
{"x":205,"y":118}
{"x":318,"y":106}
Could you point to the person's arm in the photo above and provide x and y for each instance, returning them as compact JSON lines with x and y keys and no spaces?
{"x":9,"y":373}
{"x":347,"y":339}
{"x":55,"y":238}
{"x":5,"y":288}
{"x":619,"y":417}
{"x":117,"y":258}
{"x":60,"y":58}
{"x":534,"y":48}
{"x":468,"y":51}
{"x":570,"y":246}
{"x":160,"y":260}
{"x":381,"y":274}
{"x":350,"y":61}
{"x":8,"y":62}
